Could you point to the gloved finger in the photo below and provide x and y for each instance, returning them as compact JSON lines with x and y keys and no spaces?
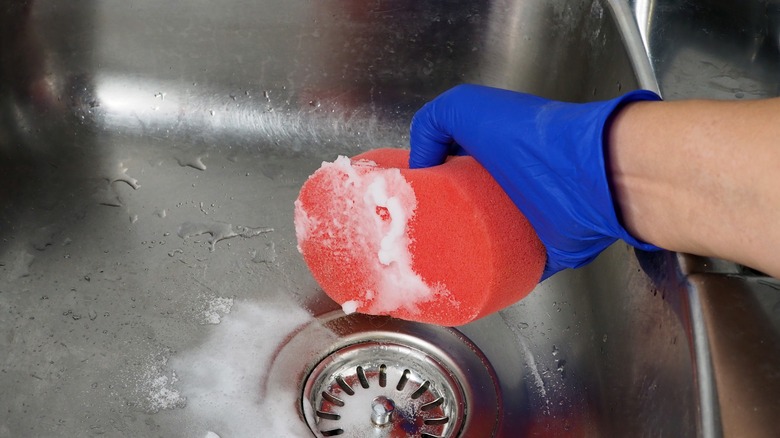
{"x":548,"y":272}
{"x":551,"y":267}
{"x":467,"y":113}
{"x":458,"y":150}
{"x":431,"y":141}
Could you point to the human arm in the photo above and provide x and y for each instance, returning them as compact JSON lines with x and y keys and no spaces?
{"x":630,"y":168}
{"x":701,"y":177}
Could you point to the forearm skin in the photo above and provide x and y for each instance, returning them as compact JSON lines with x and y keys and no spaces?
{"x":701,"y":177}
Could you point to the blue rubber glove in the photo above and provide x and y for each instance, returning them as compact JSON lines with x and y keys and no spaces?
{"x":548,"y":156}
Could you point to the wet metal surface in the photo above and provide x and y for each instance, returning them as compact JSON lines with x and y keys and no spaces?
{"x":150,"y":156}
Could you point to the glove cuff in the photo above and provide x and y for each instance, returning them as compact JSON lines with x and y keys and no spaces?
{"x":612,"y":108}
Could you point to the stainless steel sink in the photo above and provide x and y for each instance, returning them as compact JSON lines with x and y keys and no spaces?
{"x":149,"y":281}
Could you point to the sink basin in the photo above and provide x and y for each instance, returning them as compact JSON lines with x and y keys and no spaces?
{"x":150,"y":286}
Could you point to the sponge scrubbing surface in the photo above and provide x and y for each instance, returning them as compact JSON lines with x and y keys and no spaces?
{"x":442,"y":245}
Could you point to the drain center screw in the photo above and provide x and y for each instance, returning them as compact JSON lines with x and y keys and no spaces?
{"x":382,"y":410}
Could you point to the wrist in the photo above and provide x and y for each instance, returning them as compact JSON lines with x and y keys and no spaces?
{"x":632,"y":166}
{"x":619,"y":182}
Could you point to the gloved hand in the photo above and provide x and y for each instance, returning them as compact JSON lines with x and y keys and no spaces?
{"x":548,"y":156}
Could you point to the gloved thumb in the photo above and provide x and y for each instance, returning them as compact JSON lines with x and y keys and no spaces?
{"x":432,"y":138}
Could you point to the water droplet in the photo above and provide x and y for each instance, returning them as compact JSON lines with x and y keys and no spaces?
{"x":219,"y":231}
{"x":190,"y":159}
{"x":119,"y":174}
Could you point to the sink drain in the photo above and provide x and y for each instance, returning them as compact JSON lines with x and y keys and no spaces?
{"x":368,"y":376}
{"x":383,"y":389}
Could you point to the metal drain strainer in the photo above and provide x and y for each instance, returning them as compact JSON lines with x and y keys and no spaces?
{"x":366,"y":376}
{"x":384,"y":390}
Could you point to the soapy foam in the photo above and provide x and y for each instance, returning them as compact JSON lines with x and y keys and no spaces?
{"x":216,"y":308}
{"x":350,"y":307}
{"x":371,"y":209}
{"x":222,"y":377}
{"x":153,"y":388}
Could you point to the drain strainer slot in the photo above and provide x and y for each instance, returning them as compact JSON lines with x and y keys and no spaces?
{"x":383,"y":389}
{"x":358,"y":376}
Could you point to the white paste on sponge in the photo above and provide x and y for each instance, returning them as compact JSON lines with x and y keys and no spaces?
{"x":350,"y":307}
{"x":371,"y":209}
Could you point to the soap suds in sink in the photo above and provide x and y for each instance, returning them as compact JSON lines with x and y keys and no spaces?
{"x":222,"y":377}
{"x":153,"y":388}
{"x":216,"y":308}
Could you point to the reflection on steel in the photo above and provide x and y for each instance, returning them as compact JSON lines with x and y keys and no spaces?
{"x":120,"y":122}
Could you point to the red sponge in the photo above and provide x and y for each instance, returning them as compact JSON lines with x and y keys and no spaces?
{"x":442,"y":245}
